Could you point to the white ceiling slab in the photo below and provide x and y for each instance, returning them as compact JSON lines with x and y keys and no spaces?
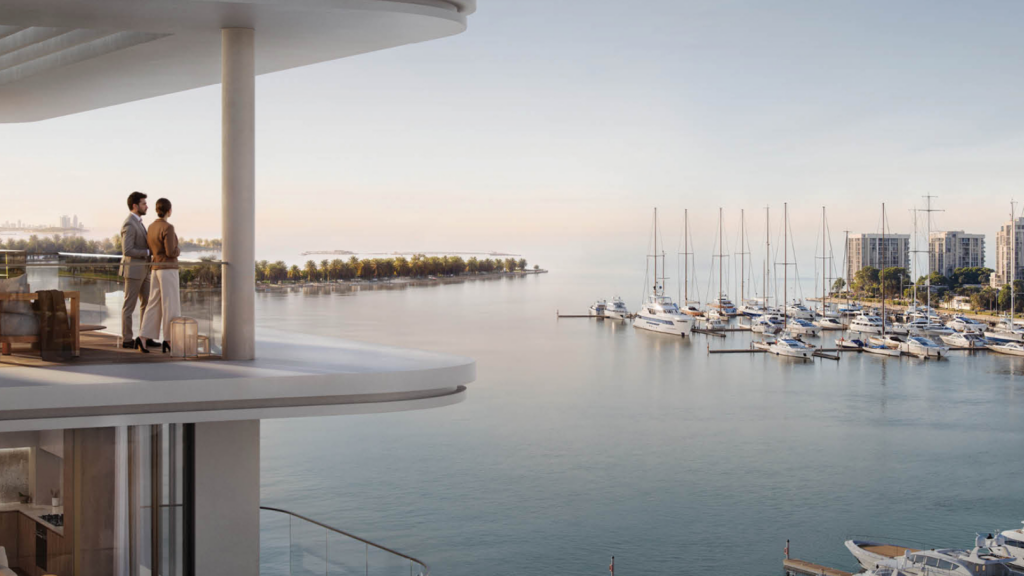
{"x":61,"y":57}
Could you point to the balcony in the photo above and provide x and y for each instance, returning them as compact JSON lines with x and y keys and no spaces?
{"x":94,"y":293}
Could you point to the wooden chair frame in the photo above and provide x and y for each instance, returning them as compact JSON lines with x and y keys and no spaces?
{"x":73,"y":315}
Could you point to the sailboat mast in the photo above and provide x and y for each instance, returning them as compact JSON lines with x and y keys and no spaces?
{"x":1013,"y":257}
{"x":743,"y":272}
{"x":822,"y":261}
{"x":686,"y":257}
{"x":785,"y":262}
{"x":655,"y":251}
{"x":881,"y":275}
{"x":846,"y":261}
{"x":719,"y":258}
{"x":767,"y":255}
{"x":928,"y":268}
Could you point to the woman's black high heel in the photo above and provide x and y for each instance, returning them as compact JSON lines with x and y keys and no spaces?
{"x":166,"y":347}
{"x":141,"y":345}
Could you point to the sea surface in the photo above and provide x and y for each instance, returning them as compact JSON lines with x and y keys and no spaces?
{"x":583,"y":439}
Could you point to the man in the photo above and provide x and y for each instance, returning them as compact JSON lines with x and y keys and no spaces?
{"x":134,"y":252}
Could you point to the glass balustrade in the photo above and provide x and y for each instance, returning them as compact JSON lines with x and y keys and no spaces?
{"x":94,"y":296}
{"x":293,"y":545}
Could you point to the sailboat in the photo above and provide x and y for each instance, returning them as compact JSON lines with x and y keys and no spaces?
{"x":879,"y":347}
{"x":767,"y":322}
{"x":1008,"y":335}
{"x":826,"y":320}
{"x":659,"y":313}
{"x":721,"y":307}
{"x":690,"y":307}
{"x":786,"y":344}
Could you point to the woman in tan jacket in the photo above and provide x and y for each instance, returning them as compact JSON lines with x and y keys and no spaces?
{"x":164,"y":299}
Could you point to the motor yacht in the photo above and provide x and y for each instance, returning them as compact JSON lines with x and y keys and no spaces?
{"x":599,"y":308}
{"x":965,"y":340}
{"x":723,"y":305}
{"x":767,"y":324}
{"x":799,"y":311}
{"x":923,"y":348}
{"x":716,"y":314}
{"x":712,"y":323}
{"x":921,"y":326}
{"x":752,"y":309}
{"x":1009,"y":543}
{"x":850,"y":309}
{"x":892,"y":341}
{"x":829,"y":323}
{"x":692,"y":308}
{"x":881,"y":350}
{"x":945,"y":562}
{"x":1006,"y":331}
{"x":850,"y":344}
{"x":803,"y":327}
{"x":786,"y":345}
{"x":660,"y":314}
{"x":616,"y":309}
{"x":965,"y":324}
{"x":1011,"y":348}
{"x":866,"y":324}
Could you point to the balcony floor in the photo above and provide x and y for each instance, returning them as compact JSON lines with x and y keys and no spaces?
{"x":95,"y":348}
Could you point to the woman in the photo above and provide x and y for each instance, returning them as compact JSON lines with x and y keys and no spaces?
{"x":164,"y":300}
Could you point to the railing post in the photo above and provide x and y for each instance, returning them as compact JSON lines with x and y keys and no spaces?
{"x":289,"y":545}
{"x":367,"y":559}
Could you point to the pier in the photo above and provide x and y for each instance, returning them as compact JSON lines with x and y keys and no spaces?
{"x":792,"y":566}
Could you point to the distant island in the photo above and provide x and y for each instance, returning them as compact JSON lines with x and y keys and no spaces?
{"x":36,"y":244}
{"x":418,"y":266}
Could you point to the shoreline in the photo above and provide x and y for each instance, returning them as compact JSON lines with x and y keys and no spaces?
{"x":396,"y":282}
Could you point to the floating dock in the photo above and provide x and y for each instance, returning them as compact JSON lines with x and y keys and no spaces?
{"x":719,"y":333}
{"x":803,"y":568}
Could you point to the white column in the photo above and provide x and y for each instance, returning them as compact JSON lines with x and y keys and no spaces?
{"x":238,"y":196}
{"x":227,"y":498}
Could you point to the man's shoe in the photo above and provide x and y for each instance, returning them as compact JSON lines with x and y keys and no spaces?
{"x":150,"y":343}
{"x":128,"y":344}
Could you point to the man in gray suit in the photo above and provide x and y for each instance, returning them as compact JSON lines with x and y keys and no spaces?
{"x":134,"y":251}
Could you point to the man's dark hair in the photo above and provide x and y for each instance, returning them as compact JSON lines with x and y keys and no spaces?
{"x":134,"y":198}
{"x":163,"y":206}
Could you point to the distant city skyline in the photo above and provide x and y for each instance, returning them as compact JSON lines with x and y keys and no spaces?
{"x":63,"y":222}
{"x":555,"y":135}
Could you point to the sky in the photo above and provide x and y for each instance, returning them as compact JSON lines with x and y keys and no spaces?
{"x":551,"y":128}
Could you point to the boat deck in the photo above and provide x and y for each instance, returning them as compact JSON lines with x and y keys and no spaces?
{"x":803,"y":568}
{"x":888,"y":550}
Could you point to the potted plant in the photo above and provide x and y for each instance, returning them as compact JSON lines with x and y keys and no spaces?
{"x":55,"y":497}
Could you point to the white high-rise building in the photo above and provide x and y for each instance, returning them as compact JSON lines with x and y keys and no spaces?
{"x":954,"y":249}
{"x":872,"y":250}
{"x":1004,"y":256}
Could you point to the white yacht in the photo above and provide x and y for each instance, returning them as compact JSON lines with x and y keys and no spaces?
{"x":660,"y":314}
{"x":850,"y":309}
{"x":692,"y":308}
{"x":799,"y":311}
{"x":723,"y":305}
{"x":892,"y":341}
{"x":923,"y":348}
{"x":866,"y":324}
{"x":716,"y":314}
{"x":880,"y":349}
{"x":803,"y":327}
{"x":712,"y":323}
{"x":965,"y":340}
{"x":944,"y":562}
{"x":965,"y":324}
{"x":786,"y":345}
{"x":1008,"y":543}
{"x":1011,"y":348}
{"x":767,"y":324}
{"x":829,"y":323}
{"x":752,"y":308}
{"x":1005,"y":331}
{"x":850,"y":344}
{"x":922,"y":326}
{"x":616,"y":309}
{"x":598,"y":308}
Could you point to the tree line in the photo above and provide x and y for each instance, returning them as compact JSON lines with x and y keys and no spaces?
{"x":970,"y":282}
{"x":35,"y":244}
{"x":418,"y":266}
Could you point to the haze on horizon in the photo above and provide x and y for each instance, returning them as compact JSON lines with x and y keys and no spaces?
{"x":551,"y":129}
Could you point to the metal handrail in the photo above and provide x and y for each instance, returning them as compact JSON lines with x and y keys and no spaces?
{"x":426,"y":569}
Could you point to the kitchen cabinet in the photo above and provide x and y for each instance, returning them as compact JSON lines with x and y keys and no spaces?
{"x":9,"y":536}
{"x":58,"y":560}
{"x":27,"y":545}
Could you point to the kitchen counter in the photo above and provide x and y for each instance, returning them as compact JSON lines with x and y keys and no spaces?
{"x":35,"y":512}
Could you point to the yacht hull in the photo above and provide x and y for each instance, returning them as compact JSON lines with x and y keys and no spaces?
{"x":674,"y":326}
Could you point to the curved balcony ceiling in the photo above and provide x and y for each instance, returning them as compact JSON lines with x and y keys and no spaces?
{"x":61,"y":57}
{"x":293,"y":376}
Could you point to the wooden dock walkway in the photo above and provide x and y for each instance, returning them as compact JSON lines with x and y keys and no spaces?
{"x":719,"y":333}
{"x":803,"y":568}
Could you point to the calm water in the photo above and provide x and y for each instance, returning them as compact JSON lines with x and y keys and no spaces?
{"x":584,"y":439}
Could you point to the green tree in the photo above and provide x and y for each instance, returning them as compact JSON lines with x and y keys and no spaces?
{"x":838,"y":286}
{"x":866,"y":280}
{"x":310,"y":271}
{"x":294,"y":274}
{"x":892,"y":278}
{"x":522,"y":264}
